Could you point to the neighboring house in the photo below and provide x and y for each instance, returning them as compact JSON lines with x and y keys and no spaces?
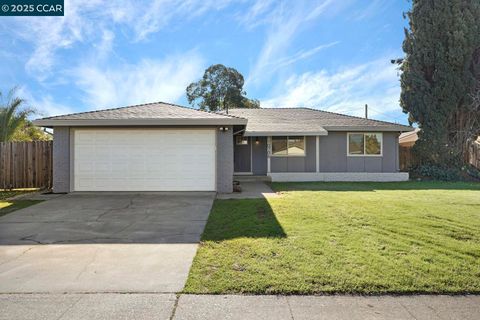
{"x":408,"y":139}
{"x":165,"y":147}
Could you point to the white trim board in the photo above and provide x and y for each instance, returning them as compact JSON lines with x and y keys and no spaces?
{"x":339,"y":176}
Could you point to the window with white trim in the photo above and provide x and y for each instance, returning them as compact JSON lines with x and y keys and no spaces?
{"x":288,"y":146}
{"x":365,"y":144}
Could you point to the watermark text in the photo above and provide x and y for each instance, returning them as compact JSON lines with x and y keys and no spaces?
{"x":32,"y":7}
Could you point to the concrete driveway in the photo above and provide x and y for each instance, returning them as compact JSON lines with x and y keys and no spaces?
{"x":104,"y":242}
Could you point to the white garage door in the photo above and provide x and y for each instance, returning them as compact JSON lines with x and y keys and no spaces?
{"x":144,"y":160}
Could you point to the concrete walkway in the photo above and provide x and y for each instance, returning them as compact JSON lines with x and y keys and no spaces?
{"x":251,"y":190}
{"x":192,"y":307}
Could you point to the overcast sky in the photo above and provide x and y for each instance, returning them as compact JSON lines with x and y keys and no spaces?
{"x":331,"y":54}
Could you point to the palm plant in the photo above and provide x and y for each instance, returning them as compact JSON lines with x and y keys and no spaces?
{"x":13,"y":115}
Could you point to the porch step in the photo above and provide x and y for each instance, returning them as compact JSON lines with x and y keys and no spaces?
{"x":249,"y":178}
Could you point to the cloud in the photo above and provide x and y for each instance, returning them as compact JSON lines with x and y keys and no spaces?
{"x":257,"y":14}
{"x":374,"y":83}
{"x":106,"y":44}
{"x":49,"y":34}
{"x":92,"y":21}
{"x":375,"y":7}
{"x":44,"y":106}
{"x":318,"y":10}
{"x":149,"y":80}
{"x":300,"y":55}
{"x":160,"y":13}
{"x":284,"y":22}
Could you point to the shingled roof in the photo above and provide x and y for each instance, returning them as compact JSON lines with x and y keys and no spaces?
{"x":157,"y":113}
{"x":306,"y":121}
{"x":259,"y":122}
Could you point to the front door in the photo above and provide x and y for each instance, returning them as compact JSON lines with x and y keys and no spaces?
{"x":242,"y":154}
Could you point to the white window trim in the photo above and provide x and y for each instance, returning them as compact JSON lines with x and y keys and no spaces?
{"x":364,"y":145}
{"x":293,"y":155}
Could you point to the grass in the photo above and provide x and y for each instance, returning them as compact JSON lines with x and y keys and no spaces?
{"x":7,"y":206}
{"x":5,"y":194}
{"x":325,"y":238}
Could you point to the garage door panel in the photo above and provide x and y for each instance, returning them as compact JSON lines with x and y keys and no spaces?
{"x":85,"y":150}
{"x":144,"y":160}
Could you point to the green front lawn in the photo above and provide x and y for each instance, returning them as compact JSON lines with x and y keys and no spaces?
{"x":7,"y":206}
{"x":367,"y":238}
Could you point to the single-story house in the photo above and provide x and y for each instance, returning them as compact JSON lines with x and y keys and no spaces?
{"x":166,"y":147}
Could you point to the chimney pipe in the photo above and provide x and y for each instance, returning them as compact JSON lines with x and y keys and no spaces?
{"x":366,"y":111}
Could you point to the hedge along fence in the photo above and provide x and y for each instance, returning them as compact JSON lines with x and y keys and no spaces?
{"x":26,"y":164}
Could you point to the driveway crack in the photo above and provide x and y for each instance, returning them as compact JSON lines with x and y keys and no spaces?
{"x":175,"y":305}
{"x":125,"y":228}
{"x":290,"y":308}
{"x":129,"y":204}
{"x":21,"y":254}
{"x":87,"y":265}
{"x":69,"y":308}
{"x":29,"y":238}
{"x":434,"y":311}
{"x":408,"y":311}
{"x":87,"y":239}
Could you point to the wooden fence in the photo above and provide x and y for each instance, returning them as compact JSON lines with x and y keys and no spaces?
{"x":474,"y":154}
{"x":407,"y":159}
{"x":26,"y":164}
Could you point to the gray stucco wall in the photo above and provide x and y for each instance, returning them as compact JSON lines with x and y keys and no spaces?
{"x":333,"y":155}
{"x":311,"y":154}
{"x":225,"y":161}
{"x":61,"y":159}
{"x":297,"y":164}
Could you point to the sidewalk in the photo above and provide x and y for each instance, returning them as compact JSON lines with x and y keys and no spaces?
{"x":169,"y":306}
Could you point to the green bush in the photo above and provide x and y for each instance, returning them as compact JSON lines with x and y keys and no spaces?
{"x":436,"y":172}
{"x":472,"y":172}
{"x":445,"y":173}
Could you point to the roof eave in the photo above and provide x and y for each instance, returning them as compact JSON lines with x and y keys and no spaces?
{"x":394,"y":128}
{"x":138,"y":122}
{"x":284,"y":133}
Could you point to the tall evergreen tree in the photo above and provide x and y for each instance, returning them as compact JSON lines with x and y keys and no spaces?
{"x":440,"y":74}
